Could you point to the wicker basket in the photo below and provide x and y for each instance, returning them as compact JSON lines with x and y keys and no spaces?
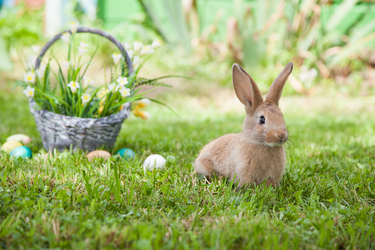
{"x":61,"y":132}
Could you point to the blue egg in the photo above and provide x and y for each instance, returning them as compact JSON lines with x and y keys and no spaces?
{"x":21,"y":151}
{"x":126,"y":153}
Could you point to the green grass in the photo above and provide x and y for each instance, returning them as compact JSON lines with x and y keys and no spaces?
{"x":325,"y":201}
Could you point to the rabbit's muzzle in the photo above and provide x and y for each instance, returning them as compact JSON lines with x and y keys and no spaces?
{"x":276,"y":138}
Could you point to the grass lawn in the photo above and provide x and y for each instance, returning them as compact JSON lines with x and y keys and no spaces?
{"x":325,"y":201}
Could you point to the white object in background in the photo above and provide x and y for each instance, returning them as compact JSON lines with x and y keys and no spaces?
{"x":54,"y":10}
{"x":154,"y":161}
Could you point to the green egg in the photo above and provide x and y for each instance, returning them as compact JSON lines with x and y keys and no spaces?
{"x":126,"y":153}
{"x":21,"y":152}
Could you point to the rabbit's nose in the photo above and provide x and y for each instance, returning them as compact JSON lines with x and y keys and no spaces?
{"x":282,"y":136}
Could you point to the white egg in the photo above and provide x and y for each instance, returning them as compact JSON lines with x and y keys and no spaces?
{"x":154,"y":161}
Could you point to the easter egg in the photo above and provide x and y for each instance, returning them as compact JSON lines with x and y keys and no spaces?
{"x":98,"y":154}
{"x":20,"y":138}
{"x":21,"y":152}
{"x":10,"y":145}
{"x":126,"y":153}
{"x":154,"y":161}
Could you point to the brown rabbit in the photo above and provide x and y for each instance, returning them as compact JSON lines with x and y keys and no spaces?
{"x":257,"y":153}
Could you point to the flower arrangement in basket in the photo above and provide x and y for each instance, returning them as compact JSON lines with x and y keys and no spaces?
{"x":76,"y":114}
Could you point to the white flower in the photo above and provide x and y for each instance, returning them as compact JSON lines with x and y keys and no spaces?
{"x":36,"y":49}
{"x":73,"y":27}
{"x":155,"y":44}
{"x":73,"y":86}
{"x":85,"y":98}
{"x":122,"y":81}
{"x":66,"y":64}
{"x":145,"y":115}
{"x":130,"y":53}
{"x":116,"y":57}
{"x":29,"y":91}
{"x":65,"y":37}
{"x":30,"y":62}
{"x":146,"y":50}
{"x":113,"y":86}
{"x":137,"y":46}
{"x":124,"y":91}
{"x":42,"y":69}
{"x":29,"y":77}
{"x":87,"y":81}
{"x":127,"y":46}
{"x":136,"y":60}
{"x":144,"y":102}
{"x":83,"y":45}
{"x":81,"y":51}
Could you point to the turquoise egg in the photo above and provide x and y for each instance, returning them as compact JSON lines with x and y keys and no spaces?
{"x":22,"y":151}
{"x":126,"y":153}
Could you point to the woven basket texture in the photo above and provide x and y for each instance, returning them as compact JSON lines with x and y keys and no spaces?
{"x":62,"y":132}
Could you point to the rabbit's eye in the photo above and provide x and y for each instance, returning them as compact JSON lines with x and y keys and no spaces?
{"x":262,"y":120}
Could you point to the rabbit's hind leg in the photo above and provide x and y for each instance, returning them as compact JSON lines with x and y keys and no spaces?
{"x":204,"y":166}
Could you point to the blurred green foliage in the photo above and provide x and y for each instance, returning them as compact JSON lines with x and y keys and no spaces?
{"x":21,"y":26}
{"x":332,"y":40}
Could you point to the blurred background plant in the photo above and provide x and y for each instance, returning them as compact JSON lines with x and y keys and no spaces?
{"x":20,"y":26}
{"x":331,"y":42}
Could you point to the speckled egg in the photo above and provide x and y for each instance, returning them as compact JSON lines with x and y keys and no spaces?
{"x":21,"y":152}
{"x":20,"y":138}
{"x":154,"y":161}
{"x":98,"y":154}
{"x":10,"y":145}
{"x":126,"y":153}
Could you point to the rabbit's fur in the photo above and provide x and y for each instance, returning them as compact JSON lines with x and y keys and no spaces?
{"x":257,"y":153}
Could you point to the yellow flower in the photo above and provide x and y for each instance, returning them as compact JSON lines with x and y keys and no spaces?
{"x":102,"y":93}
{"x":155,"y":44}
{"x":116,"y":57}
{"x":83,"y":44}
{"x":143,"y":114}
{"x":73,"y":27}
{"x":73,"y":86}
{"x":122,"y":81}
{"x":82,"y":50}
{"x":102,"y":102}
{"x":146,"y":50}
{"x":144,"y":102}
{"x":87,"y":81}
{"x":65,"y":37}
{"x":29,"y":77}
{"x":125,"y":92}
{"x":137,"y":46}
{"x":29,"y":91}
{"x":136,"y":111}
{"x":101,"y":109}
{"x":85,"y":98}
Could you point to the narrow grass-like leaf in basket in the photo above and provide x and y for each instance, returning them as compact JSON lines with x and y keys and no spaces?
{"x":89,"y":62}
{"x":50,"y":100}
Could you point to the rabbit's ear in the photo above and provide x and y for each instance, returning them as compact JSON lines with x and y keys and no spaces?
{"x":277,"y":86}
{"x":246,"y":89}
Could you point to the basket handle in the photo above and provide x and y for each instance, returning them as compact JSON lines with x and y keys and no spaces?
{"x":87,"y":30}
